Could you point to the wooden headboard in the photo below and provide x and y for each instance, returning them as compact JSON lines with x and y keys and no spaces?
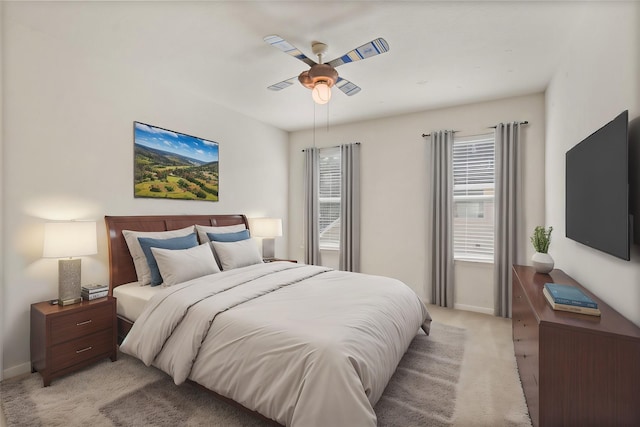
{"x":121,"y":268}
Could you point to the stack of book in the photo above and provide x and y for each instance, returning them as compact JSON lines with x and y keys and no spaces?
{"x":90,"y":292}
{"x":569,"y":298}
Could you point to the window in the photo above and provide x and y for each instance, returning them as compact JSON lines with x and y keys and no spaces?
{"x":329,"y":198}
{"x":473,"y":195}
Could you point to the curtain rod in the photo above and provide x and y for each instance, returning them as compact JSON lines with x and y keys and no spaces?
{"x":520,"y":123}
{"x":424,"y":135}
{"x":333,"y":146}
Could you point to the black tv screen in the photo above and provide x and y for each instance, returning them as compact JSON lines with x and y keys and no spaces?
{"x":597,"y":189}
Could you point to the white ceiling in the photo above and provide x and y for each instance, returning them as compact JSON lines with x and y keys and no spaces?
{"x":441,"y":53}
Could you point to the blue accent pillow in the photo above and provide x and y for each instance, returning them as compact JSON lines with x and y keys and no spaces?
{"x":146,"y":243}
{"x":229,"y":237}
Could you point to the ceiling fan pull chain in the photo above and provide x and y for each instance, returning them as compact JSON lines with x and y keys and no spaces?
{"x":328,"y":117}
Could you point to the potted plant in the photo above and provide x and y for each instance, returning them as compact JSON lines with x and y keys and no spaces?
{"x":541,"y":239}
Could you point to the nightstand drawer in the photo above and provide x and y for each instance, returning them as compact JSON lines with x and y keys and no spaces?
{"x":81,"y":323}
{"x":81,"y":349}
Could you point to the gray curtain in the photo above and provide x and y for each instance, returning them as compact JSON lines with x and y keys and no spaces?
{"x":350,"y":207}
{"x":311,"y":183}
{"x":441,"y":218}
{"x":507,"y":213}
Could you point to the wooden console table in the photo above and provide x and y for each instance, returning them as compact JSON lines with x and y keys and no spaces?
{"x":576,"y":369}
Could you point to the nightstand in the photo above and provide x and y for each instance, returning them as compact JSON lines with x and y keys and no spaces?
{"x":278,"y":259}
{"x":67,"y":338}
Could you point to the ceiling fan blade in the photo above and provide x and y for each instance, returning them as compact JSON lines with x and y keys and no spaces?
{"x":367,"y":50}
{"x":283,"y":84}
{"x":347,"y":87}
{"x":280,"y":43}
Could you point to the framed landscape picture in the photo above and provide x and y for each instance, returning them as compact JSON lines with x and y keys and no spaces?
{"x":173,"y":165}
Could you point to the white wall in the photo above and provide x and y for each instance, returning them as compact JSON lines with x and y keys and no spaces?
{"x":597,"y":80}
{"x":68,"y":153}
{"x":395,"y":183}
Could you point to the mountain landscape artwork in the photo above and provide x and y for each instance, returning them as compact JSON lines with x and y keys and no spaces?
{"x":172,"y":165}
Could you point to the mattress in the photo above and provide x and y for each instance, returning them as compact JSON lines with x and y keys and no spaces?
{"x":131,"y":299}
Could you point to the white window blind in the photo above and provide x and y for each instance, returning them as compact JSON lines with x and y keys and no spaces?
{"x":329,"y":198}
{"x":473,"y":197}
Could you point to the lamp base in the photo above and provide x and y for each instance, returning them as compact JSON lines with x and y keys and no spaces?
{"x":268,"y":248}
{"x":69,"y":291}
{"x":69,"y":301}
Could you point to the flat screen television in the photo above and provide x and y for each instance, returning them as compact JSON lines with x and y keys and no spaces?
{"x":597,"y":189}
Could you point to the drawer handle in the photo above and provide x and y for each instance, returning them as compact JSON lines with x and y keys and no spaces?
{"x":83,"y":350}
{"x":86,"y":322}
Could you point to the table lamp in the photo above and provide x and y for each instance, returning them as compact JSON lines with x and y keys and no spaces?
{"x":268,"y":229}
{"x":67,"y":240}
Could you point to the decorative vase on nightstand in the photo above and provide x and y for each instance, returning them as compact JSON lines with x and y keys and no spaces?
{"x":542,"y":262}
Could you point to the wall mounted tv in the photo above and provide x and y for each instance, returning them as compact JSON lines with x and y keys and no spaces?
{"x":597,"y":189}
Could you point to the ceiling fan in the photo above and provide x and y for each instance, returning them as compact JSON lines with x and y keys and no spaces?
{"x":322,"y":76}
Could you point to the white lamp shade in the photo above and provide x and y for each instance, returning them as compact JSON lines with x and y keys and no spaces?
{"x":265,"y":227}
{"x":321,"y":93}
{"x":69,"y":239}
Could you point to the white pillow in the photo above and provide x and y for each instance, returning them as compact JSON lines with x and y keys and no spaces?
{"x":180,"y":265}
{"x":202,"y":230}
{"x":139,"y":259}
{"x":237,"y":254}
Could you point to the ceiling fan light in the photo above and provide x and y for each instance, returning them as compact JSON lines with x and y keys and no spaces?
{"x":321,"y":93}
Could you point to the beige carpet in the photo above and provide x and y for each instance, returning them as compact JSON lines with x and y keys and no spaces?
{"x":488,"y":390}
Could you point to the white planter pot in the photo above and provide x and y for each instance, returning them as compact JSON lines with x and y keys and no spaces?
{"x":543,"y":263}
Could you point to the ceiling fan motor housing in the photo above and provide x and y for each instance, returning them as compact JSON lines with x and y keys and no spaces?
{"x":318,"y":73}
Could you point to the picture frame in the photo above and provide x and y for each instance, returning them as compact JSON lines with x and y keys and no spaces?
{"x":174,"y":165}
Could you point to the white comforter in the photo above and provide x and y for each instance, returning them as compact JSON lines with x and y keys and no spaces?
{"x":303,"y":345}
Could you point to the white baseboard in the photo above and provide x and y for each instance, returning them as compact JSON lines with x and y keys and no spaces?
{"x":24,"y":368}
{"x":483,"y":310}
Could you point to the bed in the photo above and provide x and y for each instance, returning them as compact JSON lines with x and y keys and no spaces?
{"x":300,"y":345}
